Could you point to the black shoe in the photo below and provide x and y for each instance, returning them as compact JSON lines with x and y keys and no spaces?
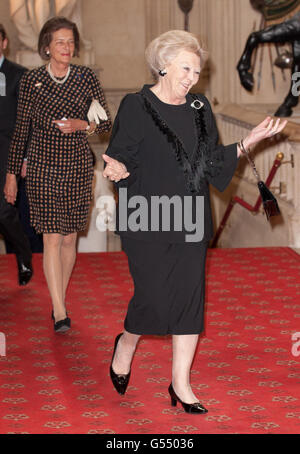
{"x":121,"y":381}
{"x":188,"y":408}
{"x":62,"y":325}
{"x":25,"y":273}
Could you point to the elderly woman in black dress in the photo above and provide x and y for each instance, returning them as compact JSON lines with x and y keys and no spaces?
{"x":165,"y":144}
{"x":54,"y":101}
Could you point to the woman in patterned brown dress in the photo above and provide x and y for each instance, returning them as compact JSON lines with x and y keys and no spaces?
{"x":53,"y":102}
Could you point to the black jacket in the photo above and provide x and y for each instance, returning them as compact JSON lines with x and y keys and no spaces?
{"x":8,"y":107}
{"x":158,"y":162}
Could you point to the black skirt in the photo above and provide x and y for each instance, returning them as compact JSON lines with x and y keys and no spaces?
{"x":169,"y":287}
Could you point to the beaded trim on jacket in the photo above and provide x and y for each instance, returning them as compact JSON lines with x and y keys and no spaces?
{"x":204,"y":163}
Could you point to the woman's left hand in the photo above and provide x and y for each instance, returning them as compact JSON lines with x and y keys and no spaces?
{"x":264,"y":130}
{"x":69,"y":125}
{"x":114,"y":170}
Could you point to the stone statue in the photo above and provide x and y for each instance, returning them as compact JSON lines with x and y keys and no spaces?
{"x":285,"y":31}
{"x":30,"y":15}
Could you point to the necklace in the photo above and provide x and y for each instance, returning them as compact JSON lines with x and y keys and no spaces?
{"x":59,"y":81}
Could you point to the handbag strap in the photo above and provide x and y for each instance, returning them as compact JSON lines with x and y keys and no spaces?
{"x":250,"y":160}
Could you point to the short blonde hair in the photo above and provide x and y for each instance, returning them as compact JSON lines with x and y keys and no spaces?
{"x":163,"y":49}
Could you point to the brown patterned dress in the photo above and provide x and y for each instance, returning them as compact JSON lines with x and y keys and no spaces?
{"x":60,"y":166}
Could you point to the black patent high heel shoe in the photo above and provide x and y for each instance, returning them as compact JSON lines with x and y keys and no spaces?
{"x":120,"y":381}
{"x":62,"y":325}
{"x":188,"y":408}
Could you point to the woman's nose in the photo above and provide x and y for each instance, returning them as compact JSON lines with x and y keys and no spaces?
{"x":191,"y":76}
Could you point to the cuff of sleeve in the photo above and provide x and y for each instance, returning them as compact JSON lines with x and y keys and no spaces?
{"x":230,"y":162}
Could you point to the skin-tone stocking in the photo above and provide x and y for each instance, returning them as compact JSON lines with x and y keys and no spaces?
{"x":58,"y":261}
{"x":184,"y":347}
{"x":124,"y":353}
{"x":68,"y":258}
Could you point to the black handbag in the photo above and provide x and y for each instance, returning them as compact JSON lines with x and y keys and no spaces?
{"x":270,"y":204}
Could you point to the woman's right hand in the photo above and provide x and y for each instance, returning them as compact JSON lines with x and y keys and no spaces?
{"x":114,"y":169}
{"x":10,"y":188}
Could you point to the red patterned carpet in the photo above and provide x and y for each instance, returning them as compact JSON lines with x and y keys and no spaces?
{"x":245,"y":371}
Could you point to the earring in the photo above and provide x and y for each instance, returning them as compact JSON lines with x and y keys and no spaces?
{"x":48,"y":52}
{"x":162,"y":72}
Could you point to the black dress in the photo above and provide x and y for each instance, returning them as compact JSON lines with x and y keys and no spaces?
{"x":170,"y":151}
